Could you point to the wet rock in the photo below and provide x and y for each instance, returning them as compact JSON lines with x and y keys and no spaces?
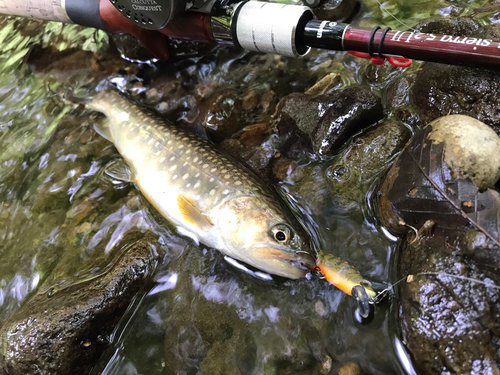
{"x":129,"y":47}
{"x":164,"y":88}
{"x":254,"y":135}
{"x":220,"y":114}
{"x":335,"y":10}
{"x":350,"y":369}
{"x":398,"y":100}
{"x":449,"y":26}
{"x":449,"y":321}
{"x":346,"y":178}
{"x":255,"y":146}
{"x":323,"y":123}
{"x":65,"y":329}
{"x":283,"y":168}
{"x":443,"y":89}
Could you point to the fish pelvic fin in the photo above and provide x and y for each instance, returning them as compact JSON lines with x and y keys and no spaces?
{"x":192,"y":214}
{"x":104,"y":131}
{"x":119,"y":170}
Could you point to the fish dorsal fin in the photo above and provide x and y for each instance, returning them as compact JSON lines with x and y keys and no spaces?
{"x":192,"y":214}
{"x":104,"y":131}
{"x":119,"y":170}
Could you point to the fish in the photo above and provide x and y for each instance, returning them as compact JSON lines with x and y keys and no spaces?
{"x":347,"y":279}
{"x":205,"y":193}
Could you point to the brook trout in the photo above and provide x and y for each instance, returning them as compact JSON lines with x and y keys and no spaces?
{"x":204,"y":192}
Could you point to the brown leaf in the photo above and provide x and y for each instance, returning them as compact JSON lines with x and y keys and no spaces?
{"x":420,"y":187}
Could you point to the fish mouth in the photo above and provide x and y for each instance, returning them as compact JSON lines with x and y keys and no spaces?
{"x":284,"y":262}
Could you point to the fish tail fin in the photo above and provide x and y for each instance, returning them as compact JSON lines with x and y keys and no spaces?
{"x":72,"y":98}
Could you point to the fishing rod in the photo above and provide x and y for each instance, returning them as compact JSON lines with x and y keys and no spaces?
{"x":287,"y":30}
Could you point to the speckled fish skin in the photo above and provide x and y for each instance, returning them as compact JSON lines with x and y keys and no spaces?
{"x":206,"y":193}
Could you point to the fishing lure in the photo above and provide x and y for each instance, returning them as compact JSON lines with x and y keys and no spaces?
{"x":349,"y":280}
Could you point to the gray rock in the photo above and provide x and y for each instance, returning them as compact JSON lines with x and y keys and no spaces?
{"x":472,"y":149}
{"x":64,"y":331}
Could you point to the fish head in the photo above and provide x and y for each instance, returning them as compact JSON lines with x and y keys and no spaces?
{"x":266,"y":237}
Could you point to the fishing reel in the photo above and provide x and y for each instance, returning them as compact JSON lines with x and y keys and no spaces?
{"x":157,"y":14}
{"x":256,"y":26}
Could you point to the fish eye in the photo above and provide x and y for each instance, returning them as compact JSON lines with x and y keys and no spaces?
{"x":282,"y":233}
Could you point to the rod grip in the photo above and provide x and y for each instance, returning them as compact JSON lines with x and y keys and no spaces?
{"x":85,"y":13}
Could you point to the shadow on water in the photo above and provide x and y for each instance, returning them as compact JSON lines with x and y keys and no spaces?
{"x":60,"y":222}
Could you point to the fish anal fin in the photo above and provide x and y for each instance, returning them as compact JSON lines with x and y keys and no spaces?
{"x":119,"y":170}
{"x":104,"y":131}
{"x":192,"y":214}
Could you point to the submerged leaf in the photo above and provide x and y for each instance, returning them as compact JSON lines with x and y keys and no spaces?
{"x":420,"y":187}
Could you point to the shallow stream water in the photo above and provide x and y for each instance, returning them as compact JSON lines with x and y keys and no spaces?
{"x":60,"y":221}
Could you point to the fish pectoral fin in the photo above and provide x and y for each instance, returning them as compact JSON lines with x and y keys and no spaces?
{"x":119,"y":170}
{"x":104,"y":131}
{"x":192,"y":214}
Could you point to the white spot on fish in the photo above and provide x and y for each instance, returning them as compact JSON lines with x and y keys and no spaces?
{"x":216,"y":200}
{"x":195,"y":159}
{"x":181,"y":147}
{"x":197,"y":185}
{"x":175,"y":177}
{"x":172,"y":168}
{"x":150,"y":141}
{"x":211,"y":180}
{"x":237,"y":183}
{"x":138,"y":138}
{"x":122,"y":116}
{"x":172,"y":158}
{"x":227,"y":176}
{"x":157,"y":145}
{"x":213,"y":170}
{"x":197,"y":175}
{"x":185,"y":176}
{"x":162,"y":160}
{"x":188,"y":185}
{"x":212,"y":192}
{"x":205,"y":165}
{"x":223,"y":171}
